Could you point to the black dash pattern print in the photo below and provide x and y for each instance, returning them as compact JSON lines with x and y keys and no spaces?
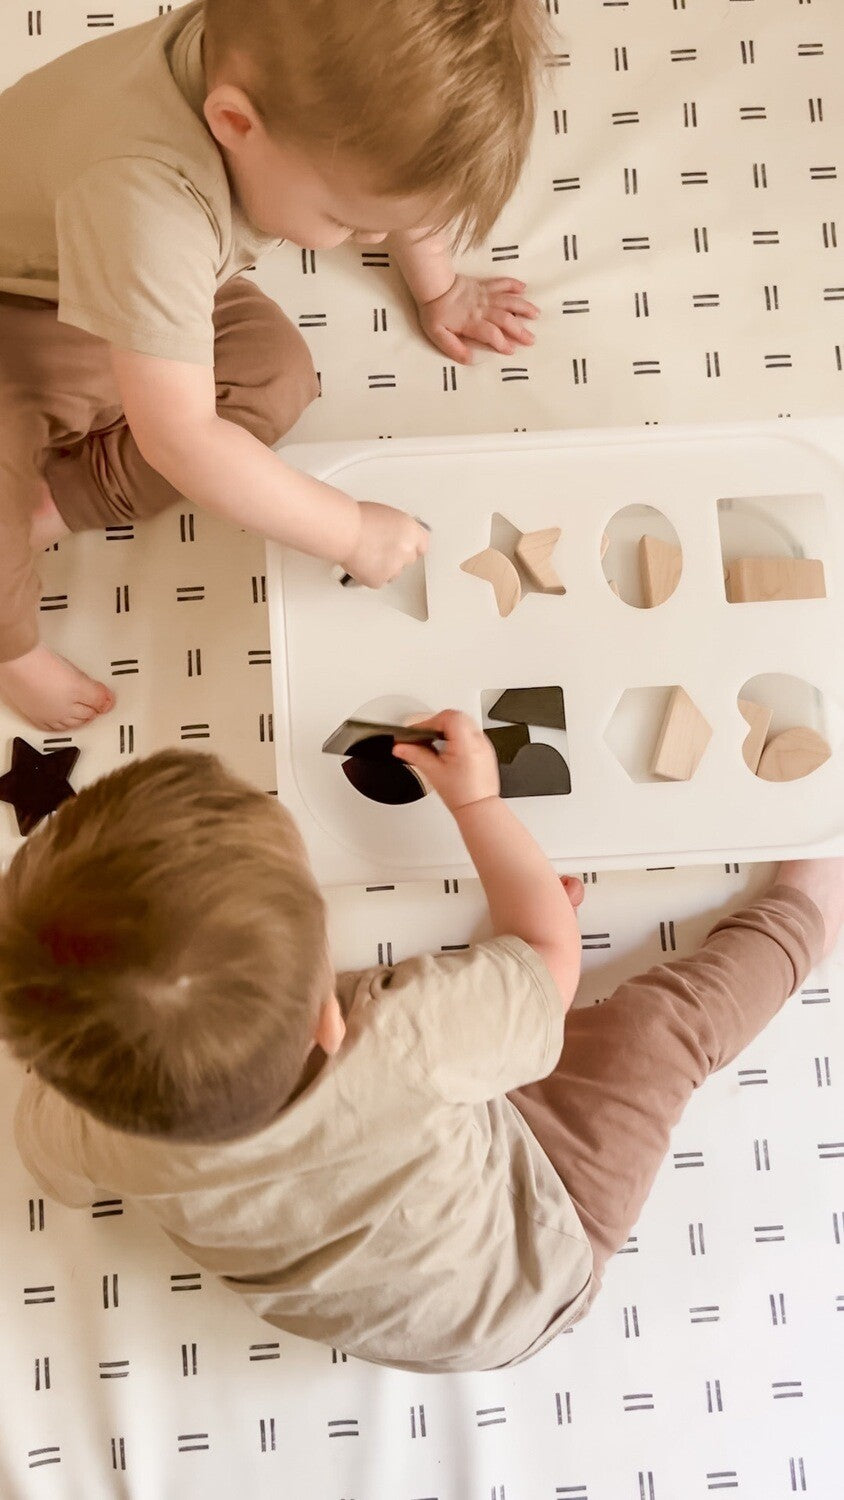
{"x":687,"y":259}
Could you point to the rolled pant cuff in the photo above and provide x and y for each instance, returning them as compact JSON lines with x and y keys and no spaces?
{"x":792,"y":919}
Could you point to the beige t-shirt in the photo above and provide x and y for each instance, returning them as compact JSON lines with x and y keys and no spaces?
{"x":399,"y":1208}
{"x":114,"y":198}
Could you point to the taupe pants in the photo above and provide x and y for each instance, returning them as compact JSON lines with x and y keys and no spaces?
{"x":61,"y":418}
{"x":630,"y":1065}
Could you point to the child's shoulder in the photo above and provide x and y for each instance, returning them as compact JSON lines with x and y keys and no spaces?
{"x":476,"y":1019}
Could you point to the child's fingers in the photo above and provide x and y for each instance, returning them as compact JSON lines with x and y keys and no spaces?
{"x":421,"y":757}
{"x":505,"y":284}
{"x":518,"y":306}
{"x":452,"y":346}
{"x":423,"y":721}
{"x":574,"y":889}
{"x":456,"y":728}
{"x":512,"y":328}
{"x":489,"y":333}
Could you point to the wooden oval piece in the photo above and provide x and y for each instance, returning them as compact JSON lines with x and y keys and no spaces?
{"x":793,"y":753}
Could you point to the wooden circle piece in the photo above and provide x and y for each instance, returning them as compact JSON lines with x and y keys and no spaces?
{"x":793,"y":753}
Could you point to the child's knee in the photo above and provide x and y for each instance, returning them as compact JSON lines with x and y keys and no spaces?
{"x":273,"y":380}
{"x":290,"y":388}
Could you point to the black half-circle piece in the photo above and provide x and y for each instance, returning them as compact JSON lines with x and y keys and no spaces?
{"x":389,"y":781}
{"x":535,"y":771}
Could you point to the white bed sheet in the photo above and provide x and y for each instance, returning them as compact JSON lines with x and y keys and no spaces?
{"x":713,"y":1358}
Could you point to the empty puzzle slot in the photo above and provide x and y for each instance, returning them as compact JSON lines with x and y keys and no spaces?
{"x":527,"y":728}
{"x":641,"y":556}
{"x":516,"y":563}
{"x":658,"y":734}
{"x":772,"y":548}
{"x":789,"y":726}
{"x":408,"y":593}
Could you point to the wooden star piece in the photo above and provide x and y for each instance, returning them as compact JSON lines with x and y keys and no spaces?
{"x":37,"y":783}
{"x":532,"y":551}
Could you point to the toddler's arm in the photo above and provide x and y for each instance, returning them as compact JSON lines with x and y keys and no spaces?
{"x":456,"y":311}
{"x":171,"y":410}
{"x":525,"y":896}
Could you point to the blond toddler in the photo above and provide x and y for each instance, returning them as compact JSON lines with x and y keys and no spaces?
{"x":140,"y":175}
{"x":425,"y":1164}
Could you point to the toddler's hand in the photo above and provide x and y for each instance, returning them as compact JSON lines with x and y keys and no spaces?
{"x":387,"y":541}
{"x":573,"y":888}
{"x":486,"y":312}
{"x":465,"y":770}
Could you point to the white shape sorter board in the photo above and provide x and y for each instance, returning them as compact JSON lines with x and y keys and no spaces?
{"x":337,"y":649}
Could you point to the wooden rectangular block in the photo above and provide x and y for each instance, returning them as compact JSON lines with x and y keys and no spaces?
{"x":683,"y":737}
{"x":756,"y":579}
{"x":759,"y":719}
{"x":660,"y":566}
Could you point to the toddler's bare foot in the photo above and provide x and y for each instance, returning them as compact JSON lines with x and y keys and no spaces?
{"x":51,"y":692}
{"x":47,"y":525}
{"x":822,"y":880}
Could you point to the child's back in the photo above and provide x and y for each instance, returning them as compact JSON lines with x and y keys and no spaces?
{"x":397,"y":1208}
{"x":131,"y":181}
{"x":139,"y":174}
{"x":373,"y":1167}
{"x":166,"y":945}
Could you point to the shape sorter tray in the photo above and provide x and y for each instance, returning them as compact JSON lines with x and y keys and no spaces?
{"x":721,"y":492}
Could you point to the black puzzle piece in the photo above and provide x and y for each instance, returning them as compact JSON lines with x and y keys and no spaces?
{"x":507,"y":742}
{"x":389,"y":782}
{"x":540,"y":705}
{"x":379,"y":747}
{"x":536,"y":771}
{"x":37,"y":783}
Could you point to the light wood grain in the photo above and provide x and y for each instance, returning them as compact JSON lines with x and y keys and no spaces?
{"x":500,"y":572}
{"x":683,"y":737}
{"x":534,"y":549}
{"x":756,"y":579}
{"x":758,"y":718}
{"x":792,"y":754}
{"x":660,"y":566}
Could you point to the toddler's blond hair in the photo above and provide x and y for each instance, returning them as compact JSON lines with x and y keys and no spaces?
{"x":438,"y":97}
{"x":163,"y":951}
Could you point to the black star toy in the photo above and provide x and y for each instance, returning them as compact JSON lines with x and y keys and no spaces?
{"x":37,"y":784}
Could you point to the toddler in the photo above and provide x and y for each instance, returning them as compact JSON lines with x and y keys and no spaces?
{"x":410,"y":1163}
{"x":140,"y":175}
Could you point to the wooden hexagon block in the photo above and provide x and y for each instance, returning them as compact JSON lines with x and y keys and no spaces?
{"x":758,"y":718}
{"x":683,"y":737}
{"x":660,"y":566}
